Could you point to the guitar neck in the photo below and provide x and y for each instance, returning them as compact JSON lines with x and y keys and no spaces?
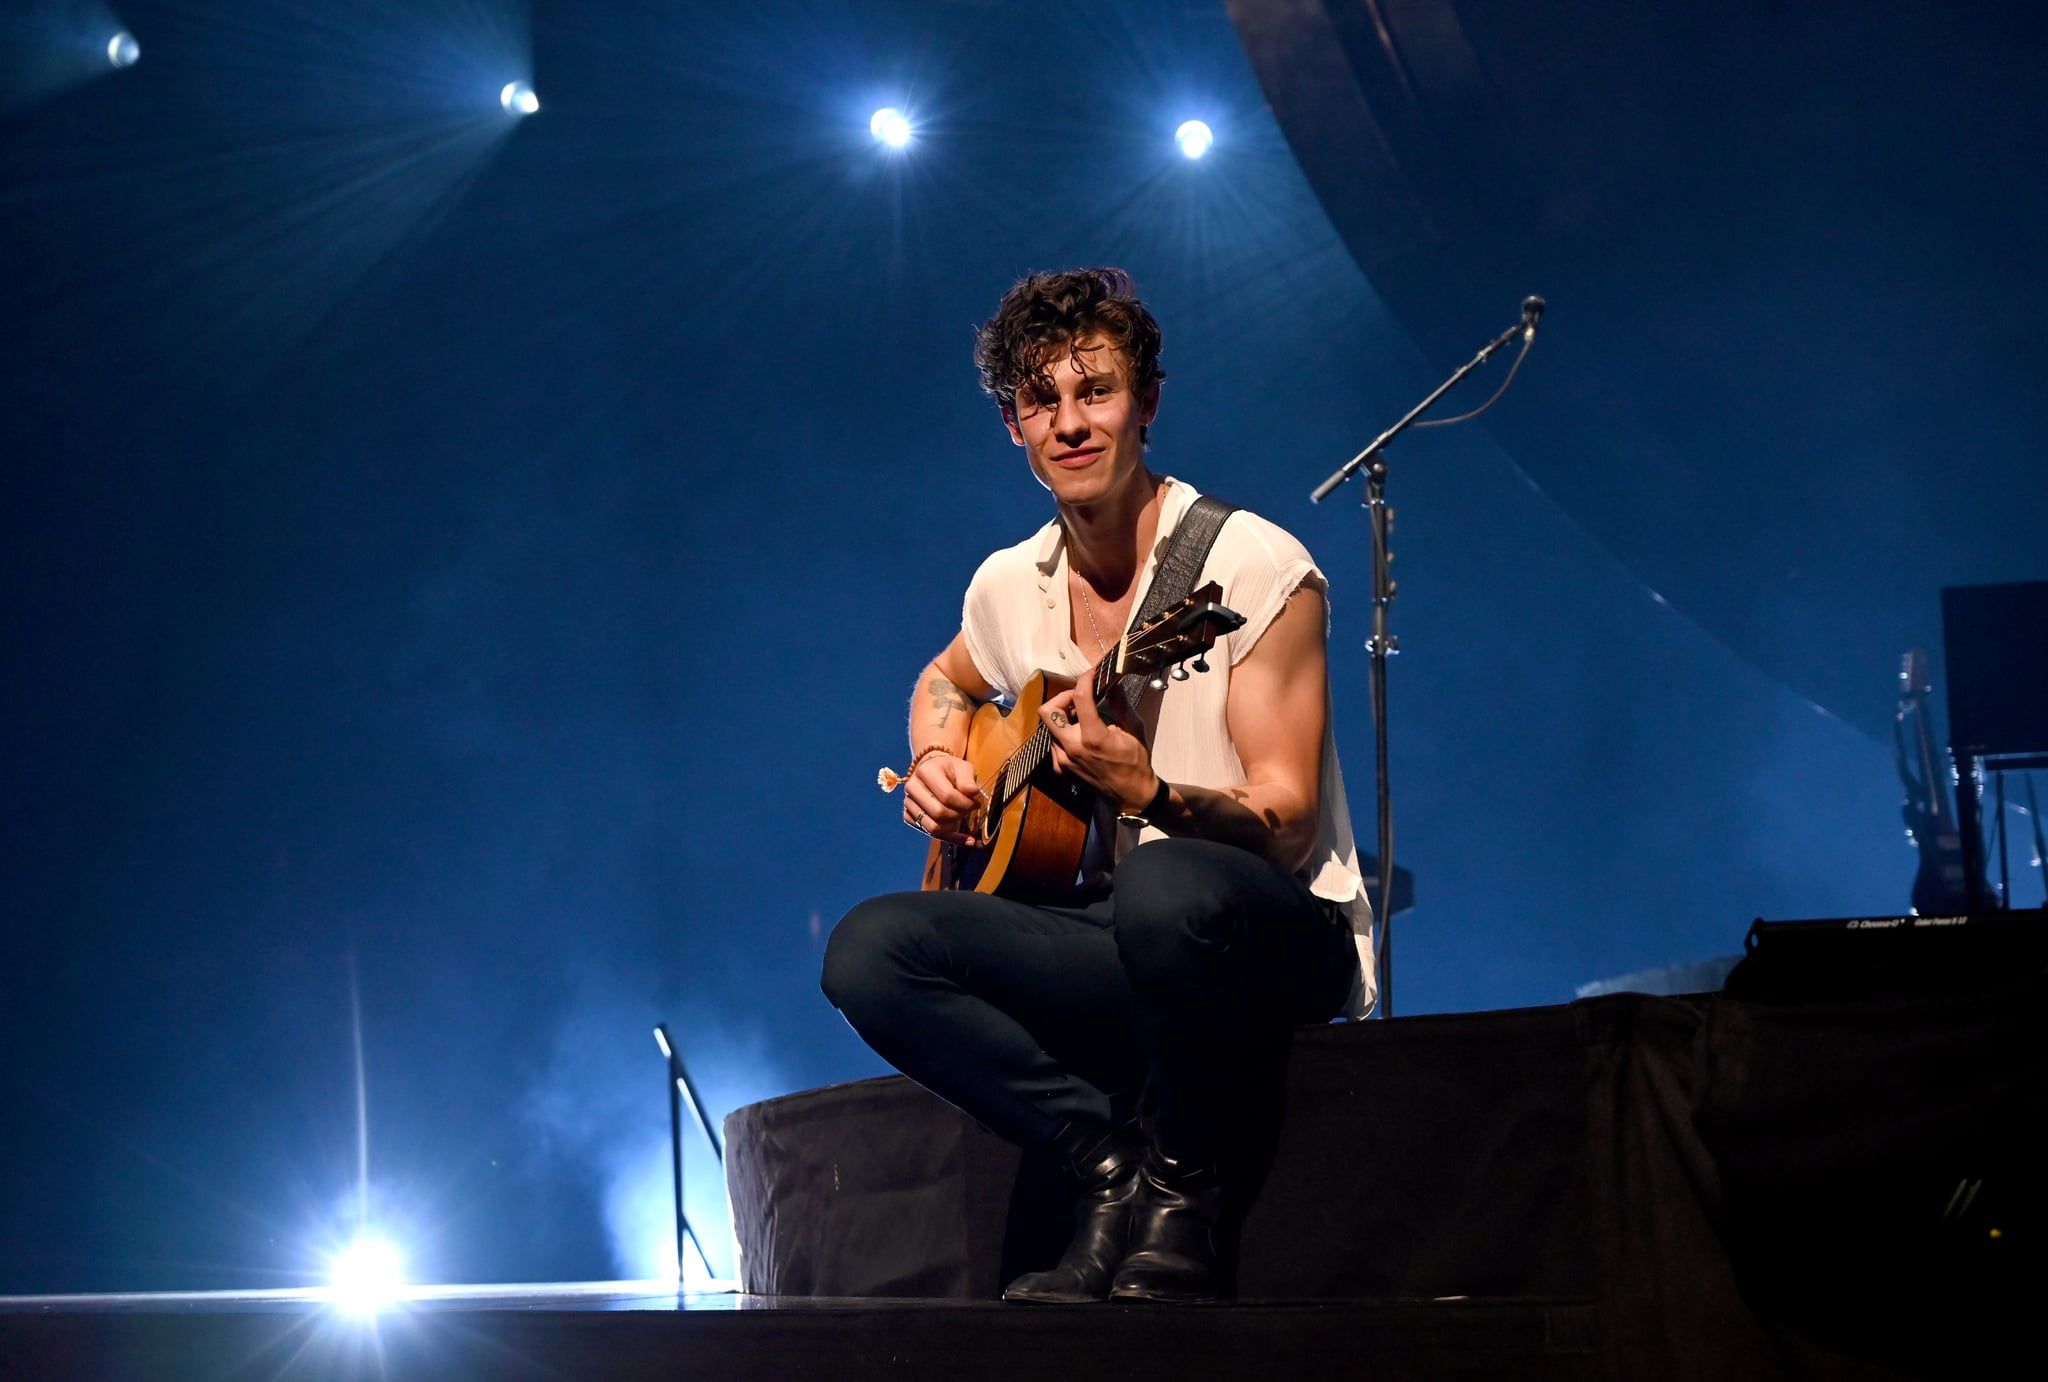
{"x":1032,"y":753}
{"x":1930,"y":771}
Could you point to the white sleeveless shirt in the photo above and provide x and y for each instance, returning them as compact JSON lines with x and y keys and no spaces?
{"x":1017,"y":621}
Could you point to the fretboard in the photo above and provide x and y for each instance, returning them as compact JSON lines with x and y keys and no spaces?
{"x":1032,"y":753}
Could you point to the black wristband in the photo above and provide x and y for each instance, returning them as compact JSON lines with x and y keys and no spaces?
{"x":1144,"y":814}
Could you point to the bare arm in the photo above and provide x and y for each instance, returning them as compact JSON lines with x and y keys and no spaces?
{"x":943,"y":790}
{"x":1275,"y":712}
{"x":947,"y":691}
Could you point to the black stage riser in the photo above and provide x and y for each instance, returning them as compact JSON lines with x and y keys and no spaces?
{"x":1739,"y":1189}
{"x":904,"y":1342}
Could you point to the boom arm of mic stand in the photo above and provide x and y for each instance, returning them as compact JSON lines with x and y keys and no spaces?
{"x":1351,"y":467}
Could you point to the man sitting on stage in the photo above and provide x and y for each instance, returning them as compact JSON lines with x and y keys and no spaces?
{"x":1134,"y":1031}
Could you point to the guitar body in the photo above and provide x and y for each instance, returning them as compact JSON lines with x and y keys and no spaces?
{"x":1035,"y":821}
{"x":1940,"y":884}
{"x":1036,"y":839}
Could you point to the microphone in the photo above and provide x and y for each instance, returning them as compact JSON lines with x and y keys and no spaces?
{"x":1532,"y":312}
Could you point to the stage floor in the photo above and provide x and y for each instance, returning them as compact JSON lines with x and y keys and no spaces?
{"x":525,"y":1295}
{"x":638,"y":1330}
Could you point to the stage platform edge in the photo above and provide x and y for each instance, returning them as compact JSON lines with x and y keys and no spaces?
{"x":760,"y":1339}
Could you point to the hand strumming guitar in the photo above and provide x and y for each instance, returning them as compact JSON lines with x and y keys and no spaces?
{"x":940,"y":797}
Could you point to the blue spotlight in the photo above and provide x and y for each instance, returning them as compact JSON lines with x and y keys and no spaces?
{"x":366,"y":1276}
{"x":518,"y":99}
{"x":123,"y":50}
{"x":891,"y":126}
{"x":1194,"y":138}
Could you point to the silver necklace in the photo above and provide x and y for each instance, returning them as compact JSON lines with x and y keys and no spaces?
{"x":1088,"y":608}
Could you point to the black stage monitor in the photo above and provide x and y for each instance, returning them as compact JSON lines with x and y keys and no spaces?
{"x":1850,"y":959}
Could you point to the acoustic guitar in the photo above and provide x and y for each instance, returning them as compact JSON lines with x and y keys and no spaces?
{"x":1034,"y":821}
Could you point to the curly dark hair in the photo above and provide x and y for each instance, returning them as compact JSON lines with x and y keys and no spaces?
{"x":1048,"y":312}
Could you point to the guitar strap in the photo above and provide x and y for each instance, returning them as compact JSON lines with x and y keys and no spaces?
{"x":1179,"y":567}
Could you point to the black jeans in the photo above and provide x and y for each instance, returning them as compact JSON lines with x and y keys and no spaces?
{"x":1181,"y":984}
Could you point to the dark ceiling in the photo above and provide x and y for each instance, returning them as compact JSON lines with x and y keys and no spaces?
{"x":1792,"y":257}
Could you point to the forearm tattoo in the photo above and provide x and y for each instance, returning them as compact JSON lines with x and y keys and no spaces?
{"x":946,"y":698}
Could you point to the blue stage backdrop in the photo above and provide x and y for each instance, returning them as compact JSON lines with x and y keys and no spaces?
{"x":463,"y":571}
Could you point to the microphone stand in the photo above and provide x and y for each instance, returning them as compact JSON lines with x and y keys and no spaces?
{"x":1381,"y":645}
{"x":680,"y":1088}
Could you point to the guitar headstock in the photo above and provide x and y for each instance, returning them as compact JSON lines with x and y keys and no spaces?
{"x":1178,"y":636}
{"x":1914,"y":683}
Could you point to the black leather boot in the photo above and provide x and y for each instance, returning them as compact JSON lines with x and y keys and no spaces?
{"x":1176,"y":1243}
{"x":1105,"y":1161}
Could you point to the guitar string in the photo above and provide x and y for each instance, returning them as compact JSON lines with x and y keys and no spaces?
{"x":1030,"y":755}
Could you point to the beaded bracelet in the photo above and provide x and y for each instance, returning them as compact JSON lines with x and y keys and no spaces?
{"x":926,"y":752}
{"x":888,"y":779}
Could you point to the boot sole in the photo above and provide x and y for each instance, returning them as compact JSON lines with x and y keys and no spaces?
{"x":1023,"y":1299}
{"x":1166,"y":1298}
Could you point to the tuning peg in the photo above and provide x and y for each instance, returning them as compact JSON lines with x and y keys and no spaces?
{"x":1180,"y":672}
{"x":1158,"y":683}
{"x":1202,"y":663}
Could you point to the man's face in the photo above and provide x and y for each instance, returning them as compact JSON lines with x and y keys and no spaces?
{"x":1083,"y":435}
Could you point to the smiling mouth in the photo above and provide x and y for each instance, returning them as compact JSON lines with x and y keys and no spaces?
{"x":1076,"y":458}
